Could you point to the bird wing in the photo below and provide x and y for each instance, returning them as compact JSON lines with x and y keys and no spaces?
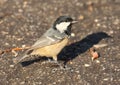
{"x":43,"y":41}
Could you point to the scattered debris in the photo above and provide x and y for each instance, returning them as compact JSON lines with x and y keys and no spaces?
{"x":94,"y":53}
{"x":11,"y":66}
{"x":106,"y":79}
{"x":87,"y":65}
{"x":13,"y":50}
{"x":70,"y":62}
{"x":97,"y":61}
{"x":81,"y":17}
{"x":100,"y":45}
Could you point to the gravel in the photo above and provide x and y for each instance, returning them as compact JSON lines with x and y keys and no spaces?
{"x":22,"y":22}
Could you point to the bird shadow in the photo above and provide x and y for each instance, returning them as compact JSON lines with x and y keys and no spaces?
{"x":73,"y":50}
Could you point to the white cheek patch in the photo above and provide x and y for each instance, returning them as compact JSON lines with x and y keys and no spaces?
{"x":62,"y":26}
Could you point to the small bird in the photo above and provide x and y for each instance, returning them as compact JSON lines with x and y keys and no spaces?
{"x":52,"y":41}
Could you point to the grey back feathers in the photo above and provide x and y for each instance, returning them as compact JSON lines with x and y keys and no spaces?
{"x":50,"y":37}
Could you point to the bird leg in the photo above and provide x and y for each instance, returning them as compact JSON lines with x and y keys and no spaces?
{"x":55,"y":61}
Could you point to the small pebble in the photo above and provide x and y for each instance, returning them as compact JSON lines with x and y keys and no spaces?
{"x":111,"y":32}
{"x":20,"y":10}
{"x":98,"y":24}
{"x":105,"y":79}
{"x":97,"y":61}
{"x":87,"y":65}
{"x":81,"y":17}
{"x":23,"y":46}
{"x":71,"y":62}
{"x":77,"y":71}
{"x":11,"y":66}
{"x":116,"y":22}
{"x":54,"y":82}
{"x":22,"y":82}
{"x":6,"y":43}
{"x":96,"y":20}
{"x":25,"y":4}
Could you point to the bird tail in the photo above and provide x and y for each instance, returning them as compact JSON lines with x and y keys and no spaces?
{"x":19,"y":59}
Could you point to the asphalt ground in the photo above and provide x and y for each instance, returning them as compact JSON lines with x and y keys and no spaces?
{"x":22,"y":22}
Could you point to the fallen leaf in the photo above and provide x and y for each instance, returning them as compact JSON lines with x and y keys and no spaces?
{"x":94,"y":53}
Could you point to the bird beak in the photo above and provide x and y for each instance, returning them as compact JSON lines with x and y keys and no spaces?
{"x":73,"y":22}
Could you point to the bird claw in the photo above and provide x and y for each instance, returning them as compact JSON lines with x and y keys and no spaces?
{"x":62,"y":67}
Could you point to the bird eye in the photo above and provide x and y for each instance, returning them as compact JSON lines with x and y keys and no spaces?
{"x":66,"y":20}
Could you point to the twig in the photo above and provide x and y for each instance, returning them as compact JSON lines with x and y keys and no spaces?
{"x":13,"y":50}
{"x":100,"y":45}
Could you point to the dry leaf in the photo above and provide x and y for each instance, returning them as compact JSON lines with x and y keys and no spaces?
{"x":13,"y":50}
{"x":94,"y":53}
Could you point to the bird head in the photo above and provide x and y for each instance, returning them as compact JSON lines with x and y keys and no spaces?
{"x":64,"y":24}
